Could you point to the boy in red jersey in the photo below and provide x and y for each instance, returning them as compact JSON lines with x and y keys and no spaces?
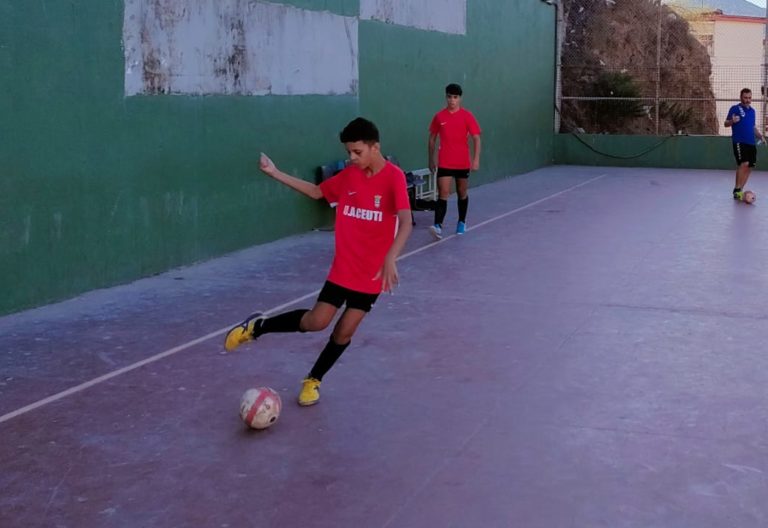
{"x":452,"y":125}
{"x":373,"y":221}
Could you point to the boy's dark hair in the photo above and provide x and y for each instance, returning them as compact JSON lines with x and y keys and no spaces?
{"x":745,"y":90}
{"x":453,"y":89}
{"x":360,"y":129}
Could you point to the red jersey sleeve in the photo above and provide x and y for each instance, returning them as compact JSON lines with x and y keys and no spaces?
{"x":434,"y":126}
{"x":333,"y":186}
{"x":472,"y":125}
{"x":400,"y":190}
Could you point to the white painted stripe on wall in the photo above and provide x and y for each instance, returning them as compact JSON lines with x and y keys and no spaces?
{"x":447,"y":16}
{"x":241,"y":47}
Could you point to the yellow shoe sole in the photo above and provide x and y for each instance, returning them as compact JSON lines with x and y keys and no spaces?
{"x":306,"y":401}
{"x":241,"y":333}
{"x":236,"y":337}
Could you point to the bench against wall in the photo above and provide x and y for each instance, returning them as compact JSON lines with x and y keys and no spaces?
{"x":424,"y":182}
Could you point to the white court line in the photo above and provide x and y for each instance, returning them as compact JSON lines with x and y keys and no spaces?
{"x":499,"y":217}
{"x":174,"y":350}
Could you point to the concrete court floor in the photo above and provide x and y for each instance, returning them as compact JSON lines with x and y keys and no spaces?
{"x":590,"y":354}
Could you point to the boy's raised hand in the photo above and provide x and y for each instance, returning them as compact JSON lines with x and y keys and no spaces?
{"x":266,"y":165}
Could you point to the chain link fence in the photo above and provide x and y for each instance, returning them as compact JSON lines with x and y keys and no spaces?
{"x":655,"y":66}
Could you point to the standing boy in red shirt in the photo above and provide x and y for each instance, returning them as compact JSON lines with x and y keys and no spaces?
{"x":373,"y":221}
{"x":452,"y":125}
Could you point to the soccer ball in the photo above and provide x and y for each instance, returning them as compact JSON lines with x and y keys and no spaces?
{"x":260,"y":408}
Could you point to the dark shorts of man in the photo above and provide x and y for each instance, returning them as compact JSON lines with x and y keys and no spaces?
{"x":336,"y":295}
{"x":745,"y":153}
{"x":452,"y":173}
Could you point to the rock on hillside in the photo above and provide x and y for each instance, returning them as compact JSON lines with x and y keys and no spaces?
{"x":610,"y":50}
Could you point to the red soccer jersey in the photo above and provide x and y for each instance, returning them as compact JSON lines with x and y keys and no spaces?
{"x":366,"y":223}
{"x":453,"y":129}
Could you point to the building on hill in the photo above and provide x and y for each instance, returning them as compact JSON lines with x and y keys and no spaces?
{"x":726,"y":7}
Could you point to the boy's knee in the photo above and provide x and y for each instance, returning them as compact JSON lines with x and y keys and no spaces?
{"x":312,"y":323}
{"x":341,"y":337}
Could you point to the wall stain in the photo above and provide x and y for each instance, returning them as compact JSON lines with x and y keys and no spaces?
{"x":152,"y":72}
{"x":240,"y":47}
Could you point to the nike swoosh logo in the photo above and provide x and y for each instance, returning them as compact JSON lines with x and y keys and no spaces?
{"x":352,"y":192}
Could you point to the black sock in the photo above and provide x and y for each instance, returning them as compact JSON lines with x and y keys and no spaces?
{"x":463,"y":204}
{"x":441,"y":207}
{"x":327,"y":358}
{"x":284,"y":322}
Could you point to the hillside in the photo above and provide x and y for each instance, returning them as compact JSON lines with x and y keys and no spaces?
{"x":610,"y":50}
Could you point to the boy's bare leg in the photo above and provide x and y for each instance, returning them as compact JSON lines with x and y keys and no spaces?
{"x":347,"y":325}
{"x":441,"y":207}
{"x":462,"y":202}
{"x":340,"y":339}
{"x":318,"y":318}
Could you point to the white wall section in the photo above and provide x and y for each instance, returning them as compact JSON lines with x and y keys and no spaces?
{"x":237,"y":47}
{"x":447,"y":16}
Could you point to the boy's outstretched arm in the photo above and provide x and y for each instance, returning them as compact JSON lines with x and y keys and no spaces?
{"x":388,"y":273}
{"x":268,"y":167}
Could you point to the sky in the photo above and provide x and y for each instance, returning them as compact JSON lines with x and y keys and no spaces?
{"x":761,"y":3}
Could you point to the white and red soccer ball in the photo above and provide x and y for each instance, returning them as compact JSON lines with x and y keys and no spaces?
{"x":260,"y":408}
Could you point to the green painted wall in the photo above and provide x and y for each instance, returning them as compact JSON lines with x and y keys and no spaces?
{"x":97,"y":189}
{"x":690,"y":152}
{"x":505,"y":64}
